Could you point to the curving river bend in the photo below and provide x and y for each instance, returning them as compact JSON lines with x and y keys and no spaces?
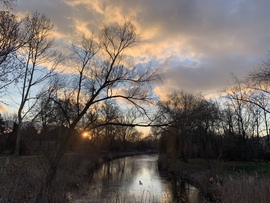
{"x":133,"y":179}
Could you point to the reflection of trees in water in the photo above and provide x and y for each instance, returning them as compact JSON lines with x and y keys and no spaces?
{"x":183,"y":191}
{"x":114,"y":173}
{"x":116,"y":170}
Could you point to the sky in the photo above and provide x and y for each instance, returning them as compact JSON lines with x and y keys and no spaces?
{"x":195,"y":44}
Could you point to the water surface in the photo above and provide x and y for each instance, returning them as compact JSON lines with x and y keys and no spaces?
{"x":130,"y":179}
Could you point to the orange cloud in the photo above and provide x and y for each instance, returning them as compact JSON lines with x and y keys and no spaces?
{"x":3,"y":109}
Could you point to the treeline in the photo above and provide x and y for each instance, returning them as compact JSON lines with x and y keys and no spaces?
{"x":38,"y":140}
{"x":235,"y":127}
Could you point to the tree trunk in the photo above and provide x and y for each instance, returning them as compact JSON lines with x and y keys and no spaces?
{"x":18,"y":136}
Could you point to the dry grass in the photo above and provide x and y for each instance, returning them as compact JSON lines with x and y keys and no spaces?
{"x":233,"y":189}
{"x":22,"y":177}
{"x":247,"y":189}
{"x":226,"y":182}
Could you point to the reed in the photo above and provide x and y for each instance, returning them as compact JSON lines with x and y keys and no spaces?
{"x":247,"y":189}
{"x":22,"y":177}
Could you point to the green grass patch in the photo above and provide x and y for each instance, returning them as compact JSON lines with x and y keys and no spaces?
{"x":224,"y":168}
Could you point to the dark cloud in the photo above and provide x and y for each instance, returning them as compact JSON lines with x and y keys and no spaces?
{"x":60,"y":14}
{"x":210,"y":76}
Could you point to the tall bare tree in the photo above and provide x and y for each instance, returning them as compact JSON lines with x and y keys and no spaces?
{"x":102,"y":75}
{"x":37,"y":52}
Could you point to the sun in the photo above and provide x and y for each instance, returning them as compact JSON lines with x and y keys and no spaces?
{"x":85,"y":134}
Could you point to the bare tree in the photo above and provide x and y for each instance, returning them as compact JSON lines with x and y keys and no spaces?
{"x":37,"y":52}
{"x":128,"y":132}
{"x":237,"y":96}
{"x":100,"y":77}
{"x":12,"y":38}
{"x":260,"y":75}
{"x":244,"y":118}
{"x":258,"y":81}
{"x":10,"y":34}
{"x":8,"y":3}
{"x":192,"y":125}
{"x":109,"y":113}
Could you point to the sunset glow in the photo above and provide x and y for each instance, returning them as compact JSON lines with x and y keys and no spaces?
{"x":85,"y":135}
{"x":217,"y":37}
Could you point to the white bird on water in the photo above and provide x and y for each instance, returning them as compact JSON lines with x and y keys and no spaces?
{"x":140,"y":183}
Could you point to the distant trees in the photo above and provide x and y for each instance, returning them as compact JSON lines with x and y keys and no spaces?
{"x":128,"y":133}
{"x":249,"y":98}
{"x":109,"y":113}
{"x":114,"y":127}
{"x":245,"y":120}
{"x":193,"y":124}
{"x":231,"y":129}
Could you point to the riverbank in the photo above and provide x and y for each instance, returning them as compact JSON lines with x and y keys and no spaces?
{"x":21,"y":177}
{"x":220,"y":181}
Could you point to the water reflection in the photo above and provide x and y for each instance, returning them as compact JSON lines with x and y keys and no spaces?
{"x":132,"y":179}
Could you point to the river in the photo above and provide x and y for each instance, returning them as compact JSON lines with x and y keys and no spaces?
{"x":134,"y":179}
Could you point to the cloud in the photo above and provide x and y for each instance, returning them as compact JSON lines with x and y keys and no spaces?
{"x":3,"y":109}
{"x":196,"y":44}
{"x":207,"y":75}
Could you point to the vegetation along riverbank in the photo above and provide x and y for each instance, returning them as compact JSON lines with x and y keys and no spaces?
{"x":220,"y":181}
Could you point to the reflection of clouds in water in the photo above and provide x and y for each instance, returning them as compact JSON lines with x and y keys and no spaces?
{"x":151,"y":184}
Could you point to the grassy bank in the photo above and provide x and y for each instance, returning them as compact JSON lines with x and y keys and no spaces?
{"x":220,"y":181}
{"x":22,"y":177}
